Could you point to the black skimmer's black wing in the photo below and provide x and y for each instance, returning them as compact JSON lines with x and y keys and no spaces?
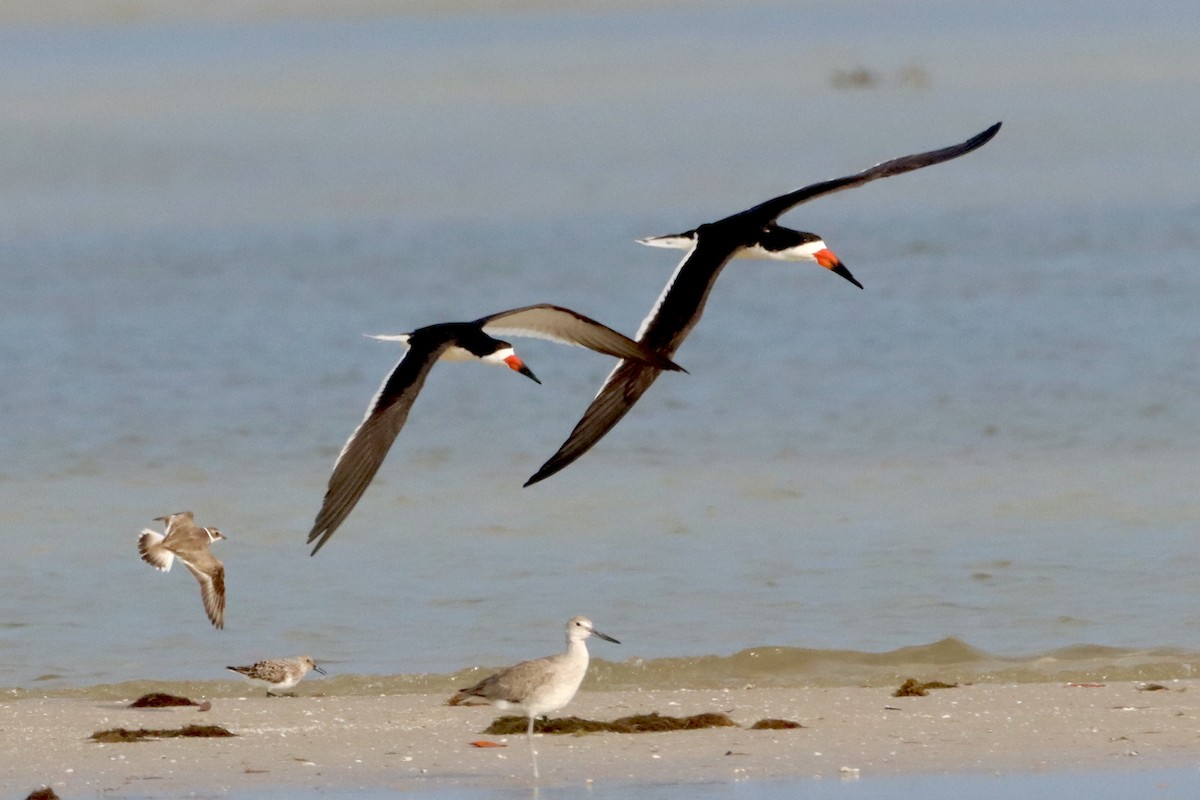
{"x":367,"y":447}
{"x":778,"y":206}
{"x":678,"y":309}
{"x":562,"y":325}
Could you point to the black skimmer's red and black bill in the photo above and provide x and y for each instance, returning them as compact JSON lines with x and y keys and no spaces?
{"x":748,"y":234}
{"x":366,"y":448}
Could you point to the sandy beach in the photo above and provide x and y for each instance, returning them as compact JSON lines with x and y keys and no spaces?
{"x":417,"y":742}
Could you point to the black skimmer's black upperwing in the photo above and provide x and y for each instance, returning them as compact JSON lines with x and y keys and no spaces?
{"x":672,"y":318}
{"x":775,"y":207}
{"x":562,"y":325}
{"x":365,"y":450}
{"x":681,"y":304}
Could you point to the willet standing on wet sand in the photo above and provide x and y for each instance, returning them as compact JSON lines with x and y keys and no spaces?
{"x":542,"y":685}
{"x":278,"y":674}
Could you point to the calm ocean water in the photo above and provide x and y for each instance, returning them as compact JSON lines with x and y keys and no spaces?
{"x":995,"y":441}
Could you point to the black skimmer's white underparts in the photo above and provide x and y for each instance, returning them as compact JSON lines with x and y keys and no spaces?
{"x":366,"y":448}
{"x":187,"y":541}
{"x":748,"y":234}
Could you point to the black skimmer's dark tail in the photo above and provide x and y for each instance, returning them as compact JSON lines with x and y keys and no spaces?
{"x":752,"y":233}
{"x":366,"y":448}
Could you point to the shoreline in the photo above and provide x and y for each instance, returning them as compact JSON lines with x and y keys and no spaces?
{"x":415,"y":741}
{"x":950,"y":660}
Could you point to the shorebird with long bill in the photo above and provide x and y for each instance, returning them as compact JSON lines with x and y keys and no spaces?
{"x":539,"y":686}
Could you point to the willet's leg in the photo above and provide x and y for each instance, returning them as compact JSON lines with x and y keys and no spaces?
{"x":532,"y":752}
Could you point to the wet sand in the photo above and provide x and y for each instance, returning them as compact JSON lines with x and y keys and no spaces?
{"x":414,"y":741}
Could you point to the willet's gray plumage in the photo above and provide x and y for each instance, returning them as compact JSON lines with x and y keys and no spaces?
{"x":542,"y":685}
{"x":190,"y":543}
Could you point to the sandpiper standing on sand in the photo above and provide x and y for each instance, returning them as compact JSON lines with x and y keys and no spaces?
{"x":278,"y":674}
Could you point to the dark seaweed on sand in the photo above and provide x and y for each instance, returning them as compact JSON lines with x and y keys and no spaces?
{"x":142,"y":734}
{"x":911,"y":688}
{"x":775,"y":725}
{"x":161,"y":700}
{"x":639,"y":723}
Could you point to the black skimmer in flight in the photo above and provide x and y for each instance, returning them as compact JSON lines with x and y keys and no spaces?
{"x":190,"y":543}
{"x":366,"y":448}
{"x":752,"y":233}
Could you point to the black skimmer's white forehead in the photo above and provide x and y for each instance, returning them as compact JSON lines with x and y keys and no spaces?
{"x":366,"y":448}
{"x":752,"y":233}
{"x":187,"y":541}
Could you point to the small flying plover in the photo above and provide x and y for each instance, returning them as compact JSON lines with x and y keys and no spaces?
{"x":189,"y":543}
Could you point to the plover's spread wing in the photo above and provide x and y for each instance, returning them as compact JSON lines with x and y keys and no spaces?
{"x":180,"y":521}
{"x":210,"y":574}
{"x":562,"y":325}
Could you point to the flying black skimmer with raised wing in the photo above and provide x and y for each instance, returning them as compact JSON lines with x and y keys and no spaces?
{"x":366,"y":448}
{"x":752,"y":233}
{"x":190,"y":543}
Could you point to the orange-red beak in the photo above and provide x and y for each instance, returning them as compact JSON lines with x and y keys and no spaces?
{"x":517,"y":365}
{"x":829,"y":260}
